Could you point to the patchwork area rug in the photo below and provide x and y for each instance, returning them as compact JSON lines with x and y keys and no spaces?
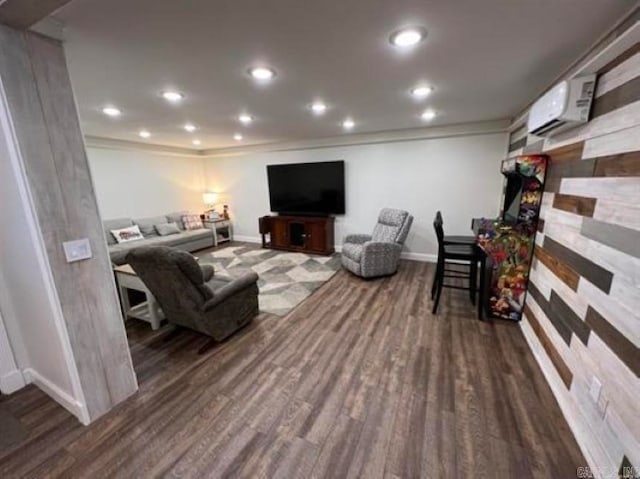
{"x":286,"y":279}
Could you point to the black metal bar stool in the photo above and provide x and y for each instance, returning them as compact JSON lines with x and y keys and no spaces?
{"x":465,"y":256}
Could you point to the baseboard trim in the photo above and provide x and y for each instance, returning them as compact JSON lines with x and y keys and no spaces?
{"x":424,"y":257}
{"x":247,"y":239}
{"x":65,"y":400}
{"x":12,"y":382}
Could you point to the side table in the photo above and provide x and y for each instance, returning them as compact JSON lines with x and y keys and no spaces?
{"x":222,"y":230}
{"x":148,"y":310}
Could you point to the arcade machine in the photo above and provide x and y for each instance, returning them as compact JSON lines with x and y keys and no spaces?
{"x":508,"y":241}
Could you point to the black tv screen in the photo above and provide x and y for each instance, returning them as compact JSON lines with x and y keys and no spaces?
{"x":307,"y":188}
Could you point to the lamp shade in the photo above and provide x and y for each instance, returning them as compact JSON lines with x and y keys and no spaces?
{"x":209,"y":198}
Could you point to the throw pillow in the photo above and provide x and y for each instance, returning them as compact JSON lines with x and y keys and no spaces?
{"x":177,"y":218}
{"x":165,"y":229}
{"x":192,"y":222}
{"x":147,"y":225}
{"x":124,"y":235}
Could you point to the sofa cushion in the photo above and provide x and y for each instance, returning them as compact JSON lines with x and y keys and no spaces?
{"x":173,"y":240}
{"x":147,"y":224}
{"x":151,"y":241}
{"x":115,"y":224}
{"x":176,"y":218}
{"x":166,"y":229}
{"x":186,"y":236}
{"x":117,"y":252}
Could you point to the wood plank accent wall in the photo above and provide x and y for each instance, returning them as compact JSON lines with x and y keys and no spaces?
{"x":582,"y":313}
{"x":518,"y":138}
{"x":42,"y":107}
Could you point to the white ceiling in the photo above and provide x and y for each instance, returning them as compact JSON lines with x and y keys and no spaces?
{"x":485,"y":58}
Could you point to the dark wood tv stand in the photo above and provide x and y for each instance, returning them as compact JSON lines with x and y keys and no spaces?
{"x":305,"y":234}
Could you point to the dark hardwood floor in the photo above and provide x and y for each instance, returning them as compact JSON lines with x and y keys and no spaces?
{"x":359,"y":381}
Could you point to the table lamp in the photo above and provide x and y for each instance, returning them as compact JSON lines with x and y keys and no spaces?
{"x":210,"y":199}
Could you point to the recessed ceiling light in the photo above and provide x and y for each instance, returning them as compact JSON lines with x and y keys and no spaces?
{"x":190,"y":127}
{"x":111,"y":111}
{"x":262,"y":73}
{"x":144,"y":134}
{"x":237,"y":137}
{"x":245,"y":119}
{"x":196,"y":142}
{"x":318,"y":107}
{"x":172,"y":96}
{"x":421,"y":91}
{"x":407,"y":37}
{"x":428,"y":115}
{"x":348,"y":124}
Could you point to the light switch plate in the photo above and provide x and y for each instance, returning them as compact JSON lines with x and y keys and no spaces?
{"x":77,"y":250}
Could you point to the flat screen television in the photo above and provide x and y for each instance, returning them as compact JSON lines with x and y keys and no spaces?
{"x":307,"y":188}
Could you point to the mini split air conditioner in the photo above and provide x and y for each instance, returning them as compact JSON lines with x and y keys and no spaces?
{"x":564,"y":106}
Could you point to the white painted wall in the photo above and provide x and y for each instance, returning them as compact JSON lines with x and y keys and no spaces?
{"x":458,"y":175}
{"x":11,"y":378}
{"x":30,"y":308}
{"x":136,"y":184}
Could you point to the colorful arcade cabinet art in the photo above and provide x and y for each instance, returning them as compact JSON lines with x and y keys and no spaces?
{"x":508,"y":241}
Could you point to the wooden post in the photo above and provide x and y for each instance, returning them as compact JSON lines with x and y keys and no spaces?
{"x":43,"y":113}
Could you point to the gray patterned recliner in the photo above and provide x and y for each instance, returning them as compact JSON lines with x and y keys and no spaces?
{"x":191,"y":296}
{"x":378,"y":254}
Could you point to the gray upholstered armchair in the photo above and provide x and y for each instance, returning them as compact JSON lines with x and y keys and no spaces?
{"x":191,"y":296}
{"x":378,"y":254}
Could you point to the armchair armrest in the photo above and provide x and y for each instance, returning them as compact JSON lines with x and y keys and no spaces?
{"x":357,"y":238}
{"x":379,"y":258}
{"x":207,"y":271}
{"x":228,"y":290}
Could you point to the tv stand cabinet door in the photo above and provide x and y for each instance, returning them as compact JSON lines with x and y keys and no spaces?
{"x":316,"y":236}
{"x":298,"y":235}
{"x":279,"y":233}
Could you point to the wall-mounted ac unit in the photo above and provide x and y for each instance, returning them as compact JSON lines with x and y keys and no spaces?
{"x":564,"y":106}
